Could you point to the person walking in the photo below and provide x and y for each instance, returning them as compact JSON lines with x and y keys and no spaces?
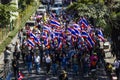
{"x":117,"y":68}
{"x":18,"y":50}
{"x":63,"y":62}
{"x":7,"y":52}
{"x":29,"y":60}
{"x":75,"y":64}
{"x":37,"y":62}
{"x":48,"y":63}
{"x":15,"y":65}
{"x":54,"y":64}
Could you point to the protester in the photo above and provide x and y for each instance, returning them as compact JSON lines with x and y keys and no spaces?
{"x":20,"y":35}
{"x":15,"y":65}
{"x":93,"y":61}
{"x":29,"y":60}
{"x":37,"y":62}
{"x":75,"y":63}
{"x":117,"y":67}
{"x":17,"y":50}
{"x":23,"y":52}
{"x":54,"y":64}
{"x":48,"y":63}
{"x":60,"y":43}
{"x":7,"y":53}
{"x":85,"y":64}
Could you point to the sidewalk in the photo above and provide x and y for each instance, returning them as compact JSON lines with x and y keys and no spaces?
{"x":12,"y":49}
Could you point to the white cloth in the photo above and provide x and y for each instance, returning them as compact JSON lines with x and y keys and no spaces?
{"x":117,"y":64}
{"x":18,"y":48}
{"x":48,"y":59}
{"x":37,"y":59}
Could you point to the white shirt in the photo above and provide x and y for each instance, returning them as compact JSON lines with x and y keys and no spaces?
{"x":48,"y":59}
{"x":37,"y":59}
{"x":117,"y":63}
{"x":18,"y":48}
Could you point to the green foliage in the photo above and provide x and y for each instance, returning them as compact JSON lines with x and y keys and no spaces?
{"x":27,"y":13}
{"x":97,"y":11}
{"x":24,"y":3}
{"x":106,"y":13}
{"x":5,"y":13}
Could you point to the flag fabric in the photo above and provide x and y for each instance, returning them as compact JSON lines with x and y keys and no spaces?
{"x":100,"y":35}
{"x":84,"y":34}
{"x":90,"y":42}
{"x":55,"y":23}
{"x":83,"y":23}
{"x":46,"y":42}
{"x":52,"y":15}
{"x":72,"y":32}
{"x":20,"y":76}
{"x":46,"y":29}
{"x":59,"y":44}
{"x":44,"y":35}
{"x":76,"y":26}
{"x":77,"y":32}
{"x":30,"y":43}
{"x":33,"y":36}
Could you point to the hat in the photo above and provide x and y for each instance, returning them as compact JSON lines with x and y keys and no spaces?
{"x":63,"y":72}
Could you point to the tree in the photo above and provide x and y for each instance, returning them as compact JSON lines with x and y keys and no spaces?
{"x":96,"y":11}
{"x":5,"y":14}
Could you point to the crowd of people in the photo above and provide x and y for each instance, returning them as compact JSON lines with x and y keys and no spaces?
{"x":58,"y":42}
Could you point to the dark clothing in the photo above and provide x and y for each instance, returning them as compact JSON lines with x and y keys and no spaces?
{"x":16,"y":54}
{"x":28,"y":58}
{"x":6,"y":56}
{"x":15,"y":65}
{"x":62,"y":77}
{"x":48,"y":67}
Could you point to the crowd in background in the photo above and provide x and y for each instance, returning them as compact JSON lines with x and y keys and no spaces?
{"x":58,"y":42}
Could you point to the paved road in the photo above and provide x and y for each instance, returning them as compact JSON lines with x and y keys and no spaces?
{"x":43,"y":76}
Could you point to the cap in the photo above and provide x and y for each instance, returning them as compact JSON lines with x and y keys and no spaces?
{"x":63,"y":72}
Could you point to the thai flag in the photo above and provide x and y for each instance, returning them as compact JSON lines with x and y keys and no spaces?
{"x":61,"y":36}
{"x":57,"y":34}
{"x":77,"y":32}
{"x":33,"y":36}
{"x":52,"y":15}
{"x":92,"y":35}
{"x":90,"y":42}
{"x":59,"y":44}
{"x":46,"y":29}
{"x":20,"y":76}
{"x":84,"y":34}
{"x":30,"y":43}
{"x":76,"y":26}
{"x":84,"y":23}
{"x":55,"y":23}
{"x":72,"y":32}
{"x":44,"y":35}
{"x":46,"y":42}
{"x":100,"y":35}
